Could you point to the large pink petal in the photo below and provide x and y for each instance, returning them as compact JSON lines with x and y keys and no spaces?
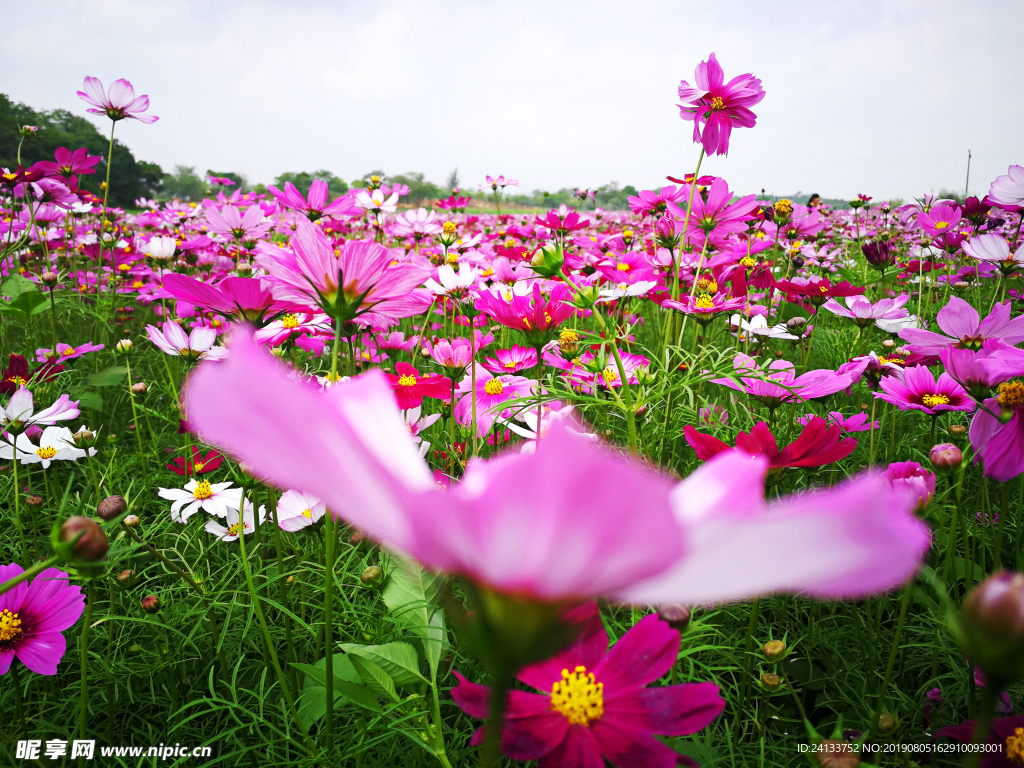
{"x":673,"y":710}
{"x":958,"y":318}
{"x":334,"y":444}
{"x":196,"y":292}
{"x":626,"y":747}
{"x":642,"y":655}
{"x":120,"y":93}
{"x":42,"y":653}
{"x":587,"y":650}
{"x":13,"y":599}
{"x":577,"y":750}
{"x":94,"y":93}
{"x":530,"y":738}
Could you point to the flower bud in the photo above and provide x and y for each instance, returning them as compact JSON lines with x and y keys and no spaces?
{"x":993,"y":627}
{"x":35,"y":502}
{"x":913,"y":477}
{"x":151,"y":604}
{"x":124,"y":346}
{"x":126,"y":578}
{"x":676,"y":616}
{"x":946,"y":458}
{"x":886,"y":723}
{"x":139,"y":388}
{"x":132,"y":521}
{"x":48,"y":278}
{"x":771,"y":681}
{"x":244,"y":269}
{"x":888,"y":343}
{"x":84,"y":438}
{"x":358,"y":538}
{"x":372,"y":576}
{"x":111,"y":507}
{"x":92,"y":546}
{"x":774,"y":650}
{"x":134,"y":649}
{"x":957,"y":430}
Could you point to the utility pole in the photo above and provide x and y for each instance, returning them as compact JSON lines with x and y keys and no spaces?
{"x":967,"y":184}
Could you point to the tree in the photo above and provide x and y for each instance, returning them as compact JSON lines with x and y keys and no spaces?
{"x":453,"y":179}
{"x":129,"y":178}
{"x":184,"y":184}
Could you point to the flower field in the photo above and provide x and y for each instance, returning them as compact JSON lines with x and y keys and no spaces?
{"x":330,"y":480}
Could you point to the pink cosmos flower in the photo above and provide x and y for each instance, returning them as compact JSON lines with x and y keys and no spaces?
{"x":492,"y":392}
{"x":718,"y":105}
{"x":595,"y":704}
{"x":65,"y":352}
{"x":994,"y":249}
{"x":960,"y":321}
{"x":939,"y":220}
{"x":20,"y":411}
{"x":410,"y":387}
{"x":242,"y":298}
{"x":573,"y":520}
{"x":704,"y":305}
{"x":32,"y":617}
{"x":67,"y":163}
{"x":997,"y":443}
{"x":911,"y":476}
{"x":650,"y":203}
{"x":197,"y":345}
{"x":229,"y":222}
{"x":534,"y":315}
{"x":857,"y":423}
{"x":454,"y":356}
{"x":297,"y":510}
{"x":1008,"y":191}
{"x":511,"y":360}
{"x":864,"y":313}
{"x":118,"y":102}
{"x":716,"y":217}
{"x":375,"y":201}
{"x":919,"y":390}
{"x":362,"y":281}
{"x":309,"y":329}
{"x":779,"y":384}
{"x":316,"y":207}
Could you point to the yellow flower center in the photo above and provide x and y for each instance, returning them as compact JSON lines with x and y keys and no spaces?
{"x":123,"y":267}
{"x":932,"y":400}
{"x":784,"y":206}
{"x":453,"y":257}
{"x":1014,"y":744}
{"x":627,"y":235}
{"x":46,"y":452}
{"x":578,"y":696}
{"x":137,"y":284}
{"x":717,"y":103}
{"x":406,"y":381}
{"x":568,"y":335}
{"x":202,"y":491}
{"x":704,"y":301}
{"x":609,"y":375}
{"x":622,"y":266}
{"x":449,"y":228}
{"x":941,"y":224}
{"x":10,"y":625}
{"x":494,"y":387}
{"x":1011,"y":393}
{"x":68,"y":351}
{"x":290,"y":321}
{"x":237,"y":529}
{"x":510,"y":364}
{"x":510,"y":243}
{"x":746,"y":261}
{"x":18,"y":380}
{"x":307,"y":513}
{"x":706,"y":285}
{"x":198,"y":466}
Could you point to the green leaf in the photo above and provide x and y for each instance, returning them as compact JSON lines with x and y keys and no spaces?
{"x":411,"y":595}
{"x":92,"y":400}
{"x":376,"y":679}
{"x":347,"y":682}
{"x":108,"y":377}
{"x":398,"y":660}
{"x":15,"y":285}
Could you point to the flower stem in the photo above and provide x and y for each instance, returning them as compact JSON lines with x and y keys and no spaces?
{"x":103,"y":215}
{"x":982,"y":726}
{"x":26,"y":575}
{"x":289,"y":702}
{"x":329,"y":536}
{"x":751,"y":629}
{"x":908,"y":591}
{"x":17,"y":507}
{"x":490,"y":753}
{"x":83,"y":703}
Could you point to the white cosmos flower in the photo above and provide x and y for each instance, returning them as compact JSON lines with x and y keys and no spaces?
{"x":297,"y":510}
{"x":198,"y":345}
{"x":452,"y":282}
{"x":235,"y":524}
{"x":758,"y":326}
{"x":20,"y":411}
{"x":160,"y":248}
{"x":216,"y":498}
{"x":55,"y":444}
{"x":897,"y":325}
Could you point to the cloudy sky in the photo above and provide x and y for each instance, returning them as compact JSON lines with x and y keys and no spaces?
{"x":883,"y":98}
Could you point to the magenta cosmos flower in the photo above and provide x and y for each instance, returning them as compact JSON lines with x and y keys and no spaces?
{"x":32,"y":617}
{"x":717,"y":216}
{"x":360,"y":280}
{"x":67,"y":163}
{"x":1006,"y":735}
{"x":493,"y":392}
{"x":920,"y":390}
{"x":779,"y":383}
{"x":1001,"y":445}
{"x":118,"y":102}
{"x":230,"y":222}
{"x":914,"y":478}
{"x":241,"y":298}
{"x":595,"y":704}
{"x":572,"y":521}
{"x":535,"y":315}
{"x":718,"y":105}
{"x":964,"y":328}
{"x":316,"y":206}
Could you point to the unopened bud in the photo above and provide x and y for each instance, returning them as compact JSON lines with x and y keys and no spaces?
{"x":796,"y":323}
{"x":290,"y":580}
{"x":48,"y":278}
{"x":85,"y":437}
{"x":139,"y":388}
{"x":111,"y":507}
{"x":34,"y":501}
{"x":132,"y":521}
{"x":676,"y":616}
{"x":771,"y":681}
{"x":126,"y":578}
{"x":957,"y":430}
{"x":134,"y":649}
{"x":888,"y":343}
{"x":151,"y":604}
{"x":372,"y":576}
{"x":886,"y":723}
{"x":92,"y":546}
{"x":993,"y":627}
{"x":946,"y":458}
{"x":774,"y":650}
{"x":124,"y":346}
{"x":244,"y":269}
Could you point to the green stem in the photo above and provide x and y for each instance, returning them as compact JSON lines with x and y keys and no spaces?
{"x":908,"y":591}
{"x":17,"y":505}
{"x":83,"y":703}
{"x":982,"y":726}
{"x":490,"y":753}
{"x":26,"y":575}
{"x":265,"y":630}
{"x":751,"y":629}
{"x":330,"y":536}
{"x":103,"y":215}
